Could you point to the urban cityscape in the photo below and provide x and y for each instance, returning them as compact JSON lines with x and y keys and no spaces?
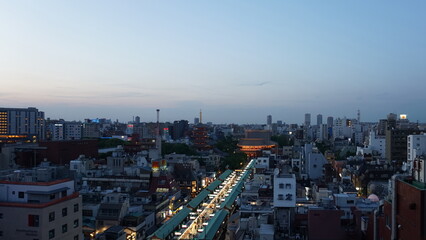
{"x":212,"y":120}
{"x":326,"y":178}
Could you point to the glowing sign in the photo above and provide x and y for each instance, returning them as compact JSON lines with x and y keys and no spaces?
{"x":403,"y":116}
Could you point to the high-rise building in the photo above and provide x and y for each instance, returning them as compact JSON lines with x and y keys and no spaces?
{"x":179,"y":129}
{"x":196,"y":121}
{"x":91,"y":130}
{"x":21,"y":124}
{"x":396,"y":144}
{"x":269,"y":120}
{"x":319,"y":119}
{"x":137,"y":119}
{"x":330,"y":121}
{"x":40,"y":210}
{"x":72,"y":130}
{"x":307,"y":119}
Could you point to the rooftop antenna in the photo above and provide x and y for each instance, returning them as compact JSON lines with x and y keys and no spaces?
{"x":359,"y":116}
{"x":157,"y":133}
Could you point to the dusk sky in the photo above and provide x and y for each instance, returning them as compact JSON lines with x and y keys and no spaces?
{"x":238,"y":61}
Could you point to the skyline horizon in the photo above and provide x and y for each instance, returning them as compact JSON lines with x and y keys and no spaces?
{"x":152,"y":117}
{"x":238,"y":61}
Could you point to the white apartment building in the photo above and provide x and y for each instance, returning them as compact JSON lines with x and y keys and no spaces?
{"x":376,"y":143}
{"x":72,"y":130}
{"x":416,"y":146}
{"x":40,"y":210}
{"x":284,"y":190}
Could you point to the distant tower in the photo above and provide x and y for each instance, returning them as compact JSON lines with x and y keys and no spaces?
{"x":307,"y":119}
{"x":319,"y":119}
{"x":359,"y":116}
{"x":157,"y":133}
{"x":196,"y":121}
{"x":201,"y":116}
{"x":330,"y":121}
{"x":137,"y":119}
{"x":269,"y":120}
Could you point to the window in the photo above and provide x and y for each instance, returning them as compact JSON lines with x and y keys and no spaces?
{"x":1,"y":233}
{"x":76,"y":207}
{"x":289,"y":197}
{"x":64,"y":212}
{"x":51,"y":216}
{"x":33,"y":220}
{"x":64,"y":193}
{"x":76,"y":237}
{"x":281,"y":185}
{"x":288,"y":186}
{"x":350,"y":202}
{"x":20,"y":194}
{"x":280,"y":197}
{"x":1,"y":215}
{"x":64,"y":228}
{"x":51,"y":233}
{"x":75,"y":223}
{"x":52,"y":196}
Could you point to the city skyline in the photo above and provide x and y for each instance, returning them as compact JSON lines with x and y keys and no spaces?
{"x":238,"y":62}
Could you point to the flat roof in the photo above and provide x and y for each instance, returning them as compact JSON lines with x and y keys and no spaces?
{"x":37,"y":183}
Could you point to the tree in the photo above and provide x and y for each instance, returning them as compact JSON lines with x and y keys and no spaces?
{"x":227,"y":145}
{"x":234,"y":161}
{"x":282,"y":140}
{"x":110,"y":143}
{"x":179,"y":148}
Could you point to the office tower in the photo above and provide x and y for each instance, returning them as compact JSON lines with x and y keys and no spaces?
{"x":307,"y":119}
{"x":269,"y":120}
{"x":137,"y":119}
{"x":21,"y":124}
{"x":180,"y":128}
{"x":319,"y":119}
{"x":196,"y":121}
{"x":330,"y":121}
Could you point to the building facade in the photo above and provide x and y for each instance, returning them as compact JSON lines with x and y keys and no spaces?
{"x":21,"y":124}
{"x":40,"y":210}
